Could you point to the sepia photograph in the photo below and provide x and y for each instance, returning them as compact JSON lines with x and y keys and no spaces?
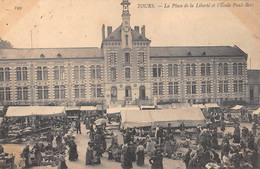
{"x":121,"y":84}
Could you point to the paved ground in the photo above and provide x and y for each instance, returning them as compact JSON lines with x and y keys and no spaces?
{"x":82,"y":140}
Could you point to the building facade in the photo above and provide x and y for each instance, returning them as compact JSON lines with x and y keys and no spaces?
{"x":253,"y":86}
{"x":125,"y":70}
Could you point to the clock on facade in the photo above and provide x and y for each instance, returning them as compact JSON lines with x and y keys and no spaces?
{"x":126,"y":29}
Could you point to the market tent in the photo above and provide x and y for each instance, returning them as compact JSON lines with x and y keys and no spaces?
{"x":257,"y":112}
{"x":23,"y":111}
{"x":164,"y":106}
{"x":189,"y":116}
{"x":72,"y":108}
{"x":135,"y":118}
{"x":88,"y":108}
{"x":201,"y":106}
{"x":180,"y":105}
{"x":237,"y":107}
{"x":147,"y":107}
{"x":211,"y":105}
{"x":117,"y":110}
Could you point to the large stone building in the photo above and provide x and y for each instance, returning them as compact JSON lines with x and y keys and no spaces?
{"x":126,"y":70}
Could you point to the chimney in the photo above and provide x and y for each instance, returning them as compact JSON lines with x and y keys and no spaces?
{"x":137,"y":29}
{"x":103,"y":32}
{"x":109,"y":30}
{"x":143,"y":31}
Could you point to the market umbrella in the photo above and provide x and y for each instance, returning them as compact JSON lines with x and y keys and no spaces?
{"x":100,"y":121}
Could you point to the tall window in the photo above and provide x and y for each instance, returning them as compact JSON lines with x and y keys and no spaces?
{"x":113,"y":92}
{"x":22,"y":93}
{"x":112,"y":57}
{"x":170,"y":88}
{"x":225,"y":69}
{"x":59,"y":92}
{"x":193,"y":87}
{"x":21,"y":74}
{"x":141,"y":57}
{"x":240,"y":68}
{"x":240,"y":85}
{"x":127,"y":73}
{"x":158,"y":88}
{"x":203,"y":87}
{"x":95,"y":71}
{"x":126,"y":40}
{"x":175,"y":70}
{"x":188,"y":87}
{"x":128,"y":92}
{"x":127,"y":58}
{"x":141,"y":73}
{"x":157,"y":70}
{"x":42,"y":73}
{"x":176,"y":88}
{"x":234,"y":68}
{"x":220,"y":69}
{"x":169,"y":70}
{"x":223,"y":86}
{"x":5,"y":74}
{"x":59,"y":72}
{"x":208,"y":87}
{"x":203,"y":69}
{"x":235,"y":86}
{"x":187,"y":69}
{"x":193,"y":69}
{"x":113,"y":73}
{"x":42,"y":92}
{"x":79,"y":72}
{"x":5,"y":94}
{"x":208,"y":69}
{"x":79,"y":91}
{"x":96,"y":90}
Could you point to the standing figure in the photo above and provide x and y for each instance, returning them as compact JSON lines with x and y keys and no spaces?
{"x":236,"y":134}
{"x":89,"y":154}
{"x":73,"y":154}
{"x":157,"y":160}
{"x":126,"y":158}
{"x":78,"y":127}
{"x":37,"y":153}
{"x":187,"y":157}
{"x":150,"y":146}
{"x":62,"y":163}
{"x":25,"y":154}
{"x":140,"y":155}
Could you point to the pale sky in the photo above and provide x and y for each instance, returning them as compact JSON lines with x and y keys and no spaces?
{"x":78,"y":23}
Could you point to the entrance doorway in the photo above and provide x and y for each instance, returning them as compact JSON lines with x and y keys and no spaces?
{"x":142,"y":93}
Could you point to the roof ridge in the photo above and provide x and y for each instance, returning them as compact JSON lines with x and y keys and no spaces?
{"x":52,"y":48}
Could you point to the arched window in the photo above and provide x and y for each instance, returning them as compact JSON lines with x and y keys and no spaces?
{"x":128,"y":92}
{"x":113,"y":92}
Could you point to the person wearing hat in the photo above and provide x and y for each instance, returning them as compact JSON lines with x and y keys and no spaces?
{"x":89,"y":154}
{"x":140,"y":154}
{"x":126,"y":158}
{"x":187,"y":157}
{"x":157,"y":160}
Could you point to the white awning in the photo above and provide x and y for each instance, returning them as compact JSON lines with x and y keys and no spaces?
{"x":1,"y":108}
{"x":147,"y":107}
{"x":23,"y":111}
{"x":180,"y":105}
{"x":164,"y":106}
{"x":237,"y":107}
{"x":257,"y":112}
{"x":201,"y":106}
{"x":86,"y":108}
{"x":211,"y":105}
{"x":117,"y":110}
{"x":72,"y":108}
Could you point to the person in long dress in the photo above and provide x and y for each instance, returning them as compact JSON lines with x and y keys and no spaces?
{"x":89,"y":154}
{"x":126,"y":158}
{"x":73,"y":154}
{"x":157,"y":160}
{"x":168,"y":147}
{"x":150,"y":147}
{"x":62,"y":163}
{"x":140,"y":155}
{"x":236,"y":134}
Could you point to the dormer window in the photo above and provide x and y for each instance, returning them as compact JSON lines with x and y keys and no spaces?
{"x":42,"y":56}
{"x":59,"y":55}
{"x":188,"y":54}
{"x":203,"y":53}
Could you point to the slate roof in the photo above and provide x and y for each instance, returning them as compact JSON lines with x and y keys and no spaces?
{"x":50,"y":53}
{"x":116,"y":35}
{"x":182,"y":51}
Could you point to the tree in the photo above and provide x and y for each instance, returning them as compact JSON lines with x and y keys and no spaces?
{"x":5,"y":44}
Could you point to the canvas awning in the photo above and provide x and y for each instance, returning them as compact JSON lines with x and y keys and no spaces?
{"x":117,"y":110}
{"x":180,"y":105}
{"x":164,"y":106}
{"x":100,"y":107}
{"x":72,"y":108}
{"x":211,"y":105}
{"x":135,"y":118}
{"x":201,"y":106}
{"x":257,"y":112}
{"x":189,"y":116}
{"x":237,"y":107}
{"x":23,"y":111}
{"x":88,"y":108}
{"x":147,"y":107}
{"x":1,"y":108}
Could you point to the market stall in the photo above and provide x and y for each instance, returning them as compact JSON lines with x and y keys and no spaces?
{"x":136,"y":118}
{"x":212,"y":107}
{"x":73,"y":112}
